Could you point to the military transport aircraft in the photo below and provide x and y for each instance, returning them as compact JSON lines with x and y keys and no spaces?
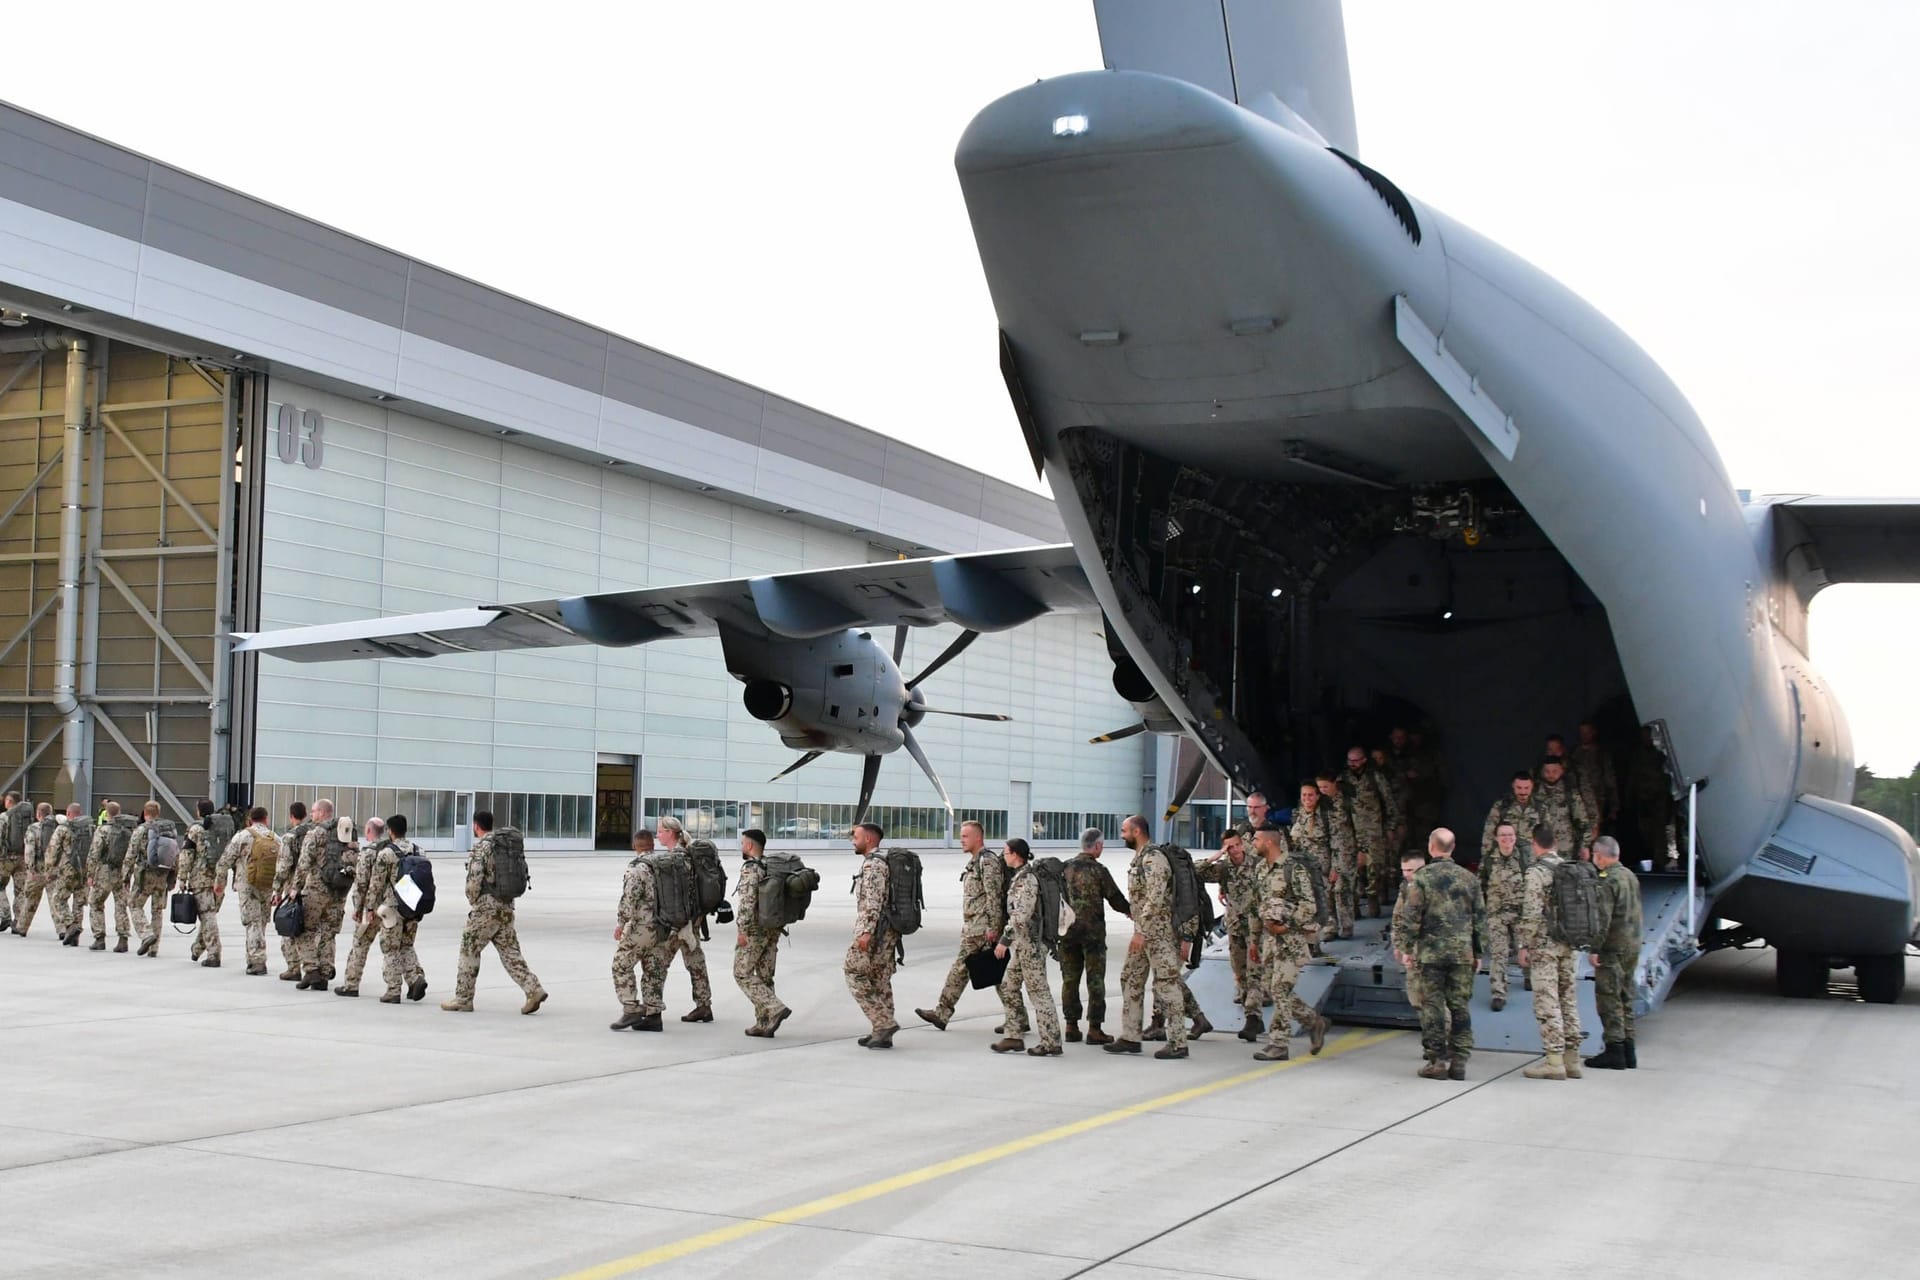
{"x":1321,"y":448}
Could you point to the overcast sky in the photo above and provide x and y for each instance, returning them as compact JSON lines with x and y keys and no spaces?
{"x":767,"y":189}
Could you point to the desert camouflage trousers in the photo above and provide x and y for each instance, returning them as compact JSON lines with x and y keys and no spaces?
{"x":870,"y":978}
{"x":67,"y":899}
{"x":753,"y":965}
{"x":149,"y":901}
{"x":1027,"y":974}
{"x":399,"y":962}
{"x":490,"y":922}
{"x":255,"y":916}
{"x":646,"y":949}
{"x":29,"y":888}
{"x":1555,"y":1006}
{"x":1082,"y":958}
{"x":97,"y":894}
{"x":1249,"y":976}
{"x":1345,"y":883}
{"x":1158,"y":957}
{"x":1503,"y":941}
{"x":685,"y":943}
{"x":971,"y":940}
{"x":10,"y":876}
{"x":206,"y":938}
{"x":364,"y":935}
{"x":1282,"y":959}
{"x":319,"y":944}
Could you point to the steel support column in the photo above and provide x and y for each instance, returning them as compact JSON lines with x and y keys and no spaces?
{"x":221,"y":726}
{"x":67,"y":623}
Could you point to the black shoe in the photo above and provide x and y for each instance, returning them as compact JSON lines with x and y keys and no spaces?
{"x":417,"y":989}
{"x":1254,"y":1028}
{"x":120,"y":947}
{"x":1633,"y":1059}
{"x":71,"y":940}
{"x":1122,"y":1046}
{"x":1612,"y":1058}
{"x":649,"y":1022}
{"x":344,"y":990}
{"x":211,"y":962}
{"x":627,"y":1020}
{"x":1072,"y":1034}
{"x":881,"y":1040}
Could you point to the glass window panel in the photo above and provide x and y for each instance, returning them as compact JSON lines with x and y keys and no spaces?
{"x":386,"y":803}
{"x":553,"y":822}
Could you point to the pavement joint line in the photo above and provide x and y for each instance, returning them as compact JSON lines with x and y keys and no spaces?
{"x":1300,"y":1168}
{"x":799,"y":1214}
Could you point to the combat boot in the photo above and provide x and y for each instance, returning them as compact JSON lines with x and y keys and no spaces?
{"x":778,"y":1018}
{"x":1123,"y":1046}
{"x":344,"y":990}
{"x":1008,"y":1044}
{"x":99,"y":944}
{"x":1200,"y":1026}
{"x":933,"y":1016}
{"x":193,"y":952}
{"x":291,"y":975}
{"x":880,"y":1040}
{"x":1570,"y":1063}
{"x":1433,"y":1069}
{"x":1156,"y":1030}
{"x":1253,"y":1029}
{"x":758,"y":1030}
{"x":539,"y":998}
{"x":1499,"y":1003}
{"x":1072,"y":1034}
{"x":649,"y":1022}
{"x":417,"y":989}
{"x":1612,"y":1058}
{"x":1272,"y":1053}
{"x":120,"y":947}
{"x":1457,"y":1069}
{"x":391,"y":997}
{"x":211,"y":962}
{"x":1172,"y":1051}
{"x":457,"y":1005}
{"x":1317,"y":1035}
{"x":631,"y":1018}
{"x":148,"y":944}
{"x":1043,"y":1051}
{"x":699,"y":1013}
{"x":1548,"y":1068}
{"x":256,"y":971}
{"x":72,"y":939}
{"x":1626,"y":1050}
{"x":1096,"y":1036}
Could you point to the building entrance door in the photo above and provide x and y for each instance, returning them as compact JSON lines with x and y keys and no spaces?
{"x":616,"y":780}
{"x":463,"y":821}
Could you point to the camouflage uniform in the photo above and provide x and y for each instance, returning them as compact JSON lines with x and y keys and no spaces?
{"x":103,"y":880}
{"x":1286,"y":900}
{"x":1345,"y":880}
{"x":1370,"y":801}
{"x":33,"y":876}
{"x":1400,"y":939}
{"x":757,"y":950}
{"x":1650,"y":796}
{"x":148,"y":888}
{"x":255,"y":914}
{"x":1240,"y":894}
{"x":1523,"y":817}
{"x":366,"y":923}
{"x":983,"y":914}
{"x":685,"y":943}
{"x":1150,"y":891}
{"x":399,"y":962}
{"x":196,"y":877}
{"x":640,"y":943}
{"x":1551,"y":965}
{"x":1445,"y":918}
{"x":1027,"y":960}
{"x":1619,"y":952}
{"x":66,"y":882}
{"x":489,"y":920}
{"x":1082,"y":949}
{"x":325,"y":909}
{"x":1591,"y":766}
{"x":1311,"y":839}
{"x":290,"y":845}
{"x":869,"y":973}
{"x":1567,"y":814}
{"x":9,"y":867}
{"x":1503,"y":886}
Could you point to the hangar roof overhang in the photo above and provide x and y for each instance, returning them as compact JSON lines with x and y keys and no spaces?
{"x":130,"y":247}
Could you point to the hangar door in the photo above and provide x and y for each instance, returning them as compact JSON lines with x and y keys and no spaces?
{"x":121,"y":569}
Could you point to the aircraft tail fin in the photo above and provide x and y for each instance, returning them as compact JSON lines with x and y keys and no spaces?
{"x":1284,"y":59}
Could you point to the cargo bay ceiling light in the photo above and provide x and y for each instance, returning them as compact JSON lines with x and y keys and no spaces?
{"x":1069,"y":126}
{"x":13,"y":319}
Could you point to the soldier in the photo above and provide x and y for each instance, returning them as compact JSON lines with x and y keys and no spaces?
{"x":1397,"y":788}
{"x":1239,"y":879}
{"x":1566,"y":808}
{"x":1344,"y":870}
{"x":146,"y":886}
{"x":1445,"y":918}
{"x":756,"y":949}
{"x":869,"y":962}
{"x":327,"y":852}
{"x":1370,"y":801}
{"x":1619,"y":953}
{"x":1311,"y":839}
{"x":9,"y":857}
{"x":983,"y":914}
{"x":1398,"y":932}
{"x":105,"y":877}
{"x":1089,"y":890}
{"x":297,"y":829}
{"x":1551,"y":966}
{"x":1520,"y":808}
{"x":1152,"y":953}
{"x":1593,"y":764}
{"x":33,"y":870}
{"x":1026,"y":958}
{"x":399,"y":962}
{"x":638,"y":942}
{"x":685,"y":941}
{"x":198,"y":859}
{"x":65,"y":861}
{"x":366,"y":918}
{"x":1503,"y":876}
{"x":252,"y":858}
{"x":1287,"y":920}
{"x":489,"y":920}
{"x":1650,"y":793}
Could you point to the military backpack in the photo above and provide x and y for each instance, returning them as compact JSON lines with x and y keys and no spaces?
{"x":675,"y":893}
{"x":47,"y":826}
{"x":508,"y":879}
{"x":1573,"y":905}
{"x":710,"y":878}
{"x":904,"y":902}
{"x":336,"y":866}
{"x":1192,"y":911}
{"x":1049,"y":902}
{"x":263,"y":859}
{"x":163,"y":845}
{"x":13,"y":829}
{"x":786,"y":891}
{"x":79,"y":844}
{"x":413,"y":879}
{"x":219,"y":829}
{"x":113,"y":855}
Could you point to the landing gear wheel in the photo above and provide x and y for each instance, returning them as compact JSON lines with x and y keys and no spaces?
{"x":1801,"y":975}
{"x":1882,"y":978}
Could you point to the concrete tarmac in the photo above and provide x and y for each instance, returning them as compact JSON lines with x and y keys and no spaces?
{"x":165,"y":1119}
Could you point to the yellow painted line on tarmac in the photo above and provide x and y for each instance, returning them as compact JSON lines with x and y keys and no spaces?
{"x":959,"y":1164}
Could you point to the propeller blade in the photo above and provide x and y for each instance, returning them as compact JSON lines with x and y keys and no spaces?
{"x":801,"y":763}
{"x":1116,"y":734}
{"x":1191,"y":780}
{"x":952,"y":651}
{"x":966,"y":715}
{"x":899,"y":643}
{"x":869,"y":778}
{"x":920,"y":757}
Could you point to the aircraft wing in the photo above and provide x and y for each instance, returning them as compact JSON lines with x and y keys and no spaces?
{"x":1860,"y":539}
{"x":984,"y":591}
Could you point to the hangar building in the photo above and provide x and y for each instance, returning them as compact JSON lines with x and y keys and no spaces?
{"x":218,"y":416}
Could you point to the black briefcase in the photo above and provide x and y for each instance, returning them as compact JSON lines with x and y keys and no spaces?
{"x":182,"y":908}
{"x":984,"y":969}
{"x":290,"y":918}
